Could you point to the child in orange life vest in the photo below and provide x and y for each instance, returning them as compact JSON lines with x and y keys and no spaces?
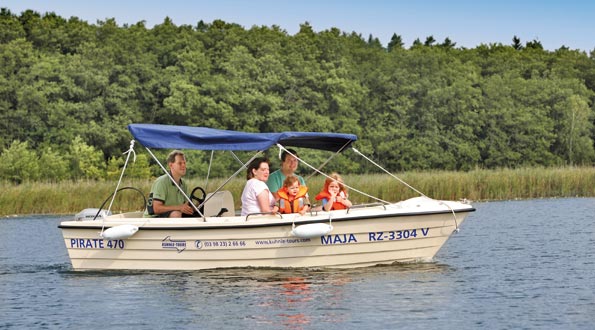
{"x":293,"y":197}
{"x":334,"y":194}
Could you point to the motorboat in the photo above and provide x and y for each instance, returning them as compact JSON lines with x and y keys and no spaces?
{"x":367,"y":234}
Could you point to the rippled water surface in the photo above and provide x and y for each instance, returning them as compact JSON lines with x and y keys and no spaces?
{"x":514,"y":264}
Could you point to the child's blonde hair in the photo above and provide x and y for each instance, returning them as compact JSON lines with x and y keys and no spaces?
{"x":290,"y":180}
{"x":335,"y":177}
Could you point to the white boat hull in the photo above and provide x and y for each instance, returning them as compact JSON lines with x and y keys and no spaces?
{"x":412,"y":230}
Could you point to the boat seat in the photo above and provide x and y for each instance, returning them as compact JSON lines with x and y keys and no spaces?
{"x":217,"y":202}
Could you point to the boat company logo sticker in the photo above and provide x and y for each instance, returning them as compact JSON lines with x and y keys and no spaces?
{"x":168,"y":243}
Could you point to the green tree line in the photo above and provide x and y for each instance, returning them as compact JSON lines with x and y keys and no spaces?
{"x":68,"y":90}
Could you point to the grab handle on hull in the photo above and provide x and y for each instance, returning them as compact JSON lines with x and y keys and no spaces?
{"x":360,"y":206}
{"x":264,"y":213}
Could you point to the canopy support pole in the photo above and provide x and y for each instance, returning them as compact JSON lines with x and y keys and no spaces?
{"x":209,"y":170}
{"x":326,"y":161}
{"x":321,"y":173}
{"x":109,"y":209}
{"x":232,"y":176}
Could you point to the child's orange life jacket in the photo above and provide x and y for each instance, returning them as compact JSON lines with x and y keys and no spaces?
{"x":327,"y":196}
{"x":295,"y":205}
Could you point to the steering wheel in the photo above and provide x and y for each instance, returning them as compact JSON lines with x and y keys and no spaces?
{"x":198,"y":200}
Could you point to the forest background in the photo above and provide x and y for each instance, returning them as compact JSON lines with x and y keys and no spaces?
{"x":68,"y":90}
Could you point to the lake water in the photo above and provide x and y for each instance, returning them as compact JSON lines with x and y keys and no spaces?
{"x":514,"y":265}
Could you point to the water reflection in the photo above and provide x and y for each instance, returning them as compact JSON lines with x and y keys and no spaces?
{"x":255,"y":297}
{"x":291,"y":298}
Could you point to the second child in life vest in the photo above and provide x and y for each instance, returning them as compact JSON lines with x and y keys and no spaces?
{"x":293,"y":197}
{"x":334,"y":195}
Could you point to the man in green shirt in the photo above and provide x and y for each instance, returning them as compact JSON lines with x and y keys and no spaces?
{"x":165,"y":199}
{"x":289,"y":165}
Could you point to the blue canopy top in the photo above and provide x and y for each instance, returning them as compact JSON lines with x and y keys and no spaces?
{"x":203,"y":138}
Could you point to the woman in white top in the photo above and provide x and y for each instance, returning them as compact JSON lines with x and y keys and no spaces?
{"x":256,"y":197}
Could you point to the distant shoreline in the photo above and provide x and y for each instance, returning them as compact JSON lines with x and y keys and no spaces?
{"x":478,"y":185}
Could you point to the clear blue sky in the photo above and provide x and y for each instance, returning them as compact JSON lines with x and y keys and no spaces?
{"x":554,"y":23}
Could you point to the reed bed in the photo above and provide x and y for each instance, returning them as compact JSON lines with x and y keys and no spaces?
{"x":476,"y":185}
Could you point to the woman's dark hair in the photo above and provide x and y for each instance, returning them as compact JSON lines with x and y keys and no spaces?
{"x":254,"y":165}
